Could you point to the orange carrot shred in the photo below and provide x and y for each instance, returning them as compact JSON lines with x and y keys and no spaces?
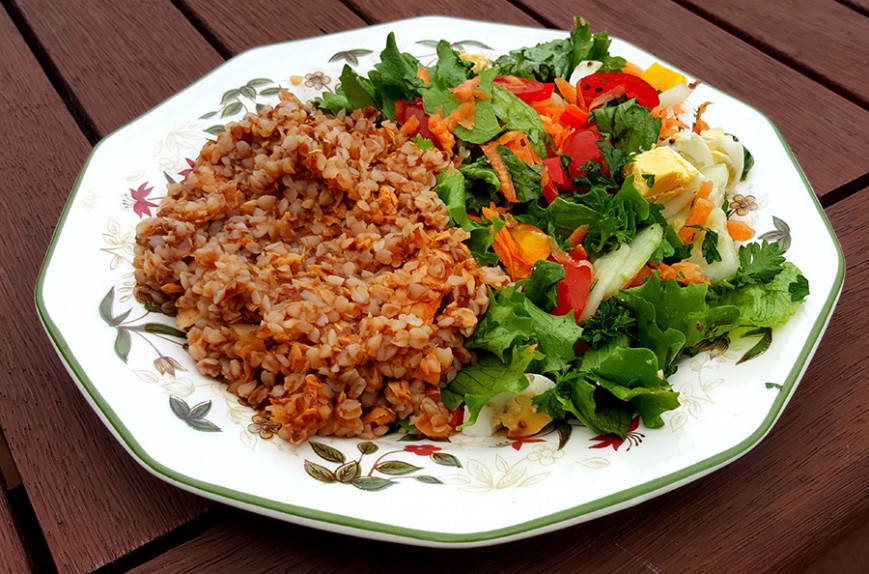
{"x":700,"y":212}
{"x":566,"y":89}
{"x":422,"y":74}
{"x":739,"y":230}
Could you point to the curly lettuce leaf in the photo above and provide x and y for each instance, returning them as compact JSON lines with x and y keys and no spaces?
{"x":769,"y":304}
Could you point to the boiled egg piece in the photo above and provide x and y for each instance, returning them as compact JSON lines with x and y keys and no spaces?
{"x":512,"y":411}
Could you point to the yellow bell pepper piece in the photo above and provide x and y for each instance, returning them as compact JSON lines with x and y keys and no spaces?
{"x":662,"y":78}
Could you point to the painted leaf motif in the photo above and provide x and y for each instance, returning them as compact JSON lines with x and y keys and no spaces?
{"x":120,"y":318}
{"x":428,"y":43}
{"x":168,"y":178}
{"x":595,"y":462}
{"x":270,"y":92}
{"x":247,"y":92}
{"x":203,"y":425}
{"x":106,"y":306}
{"x":258,"y":82}
{"x":396,"y":468}
{"x":259,"y":107}
{"x":318,"y":472}
{"x":472,"y":43}
{"x":782,"y":234}
{"x":480,"y":472}
{"x":445,"y":459}
{"x":228,"y":96}
{"x":207,"y":115}
{"x":200,"y":410}
{"x":348,"y":472}
{"x":428,"y":479}
{"x":231,"y":109}
{"x":367,"y":447}
{"x":760,"y":347}
{"x":328,"y":453}
{"x":412,"y":437}
{"x":372,"y":483}
{"x":215,"y":130}
{"x":162,"y":329}
{"x":123,"y":344}
{"x":533,"y":479}
{"x":179,"y":407}
{"x":511,"y":478}
{"x":773,"y":386}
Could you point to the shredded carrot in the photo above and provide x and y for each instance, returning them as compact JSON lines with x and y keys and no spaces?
{"x":410,"y":125}
{"x":519,"y":246}
{"x":739,"y":230}
{"x":566,"y":89}
{"x":640,"y":276}
{"x":669,"y":125}
{"x":495,"y":161}
{"x":580,"y":98}
{"x":578,"y":235}
{"x":699,"y":124}
{"x":700,"y":212}
{"x":468,"y":90}
{"x":440,"y":129}
{"x":684,"y":272}
{"x":422,"y":74}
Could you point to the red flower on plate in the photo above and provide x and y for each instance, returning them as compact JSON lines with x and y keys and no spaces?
{"x":517,"y":443}
{"x":422,"y":449}
{"x":186,"y":172}
{"x":141,"y":205}
{"x":632,"y":437}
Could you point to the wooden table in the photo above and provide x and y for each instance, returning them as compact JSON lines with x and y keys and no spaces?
{"x":74,"y":501}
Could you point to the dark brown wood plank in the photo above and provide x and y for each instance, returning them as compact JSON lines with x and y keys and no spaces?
{"x":14,"y":559}
{"x":93,"y":502}
{"x":273,"y":21}
{"x":776,"y":509}
{"x":823,"y":36}
{"x":119,"y":60}
{"x":825,"y":131}
{"x":501,"y":11}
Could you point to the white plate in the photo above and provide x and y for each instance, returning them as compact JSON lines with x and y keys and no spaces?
{"x":460,"y":493}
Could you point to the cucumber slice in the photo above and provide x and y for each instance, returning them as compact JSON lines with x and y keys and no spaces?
{"x":615,"y":269}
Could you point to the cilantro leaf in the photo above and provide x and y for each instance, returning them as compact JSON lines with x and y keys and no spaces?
{"x":709,"y":247}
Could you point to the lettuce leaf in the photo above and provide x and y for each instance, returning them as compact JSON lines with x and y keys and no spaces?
{"x":630,"y":126}
{"x":477,"y":383}
{"x":769,"y":304}
{"x":541,"y":287}
{"x":526,"y":178}
{"x":671,"y":317}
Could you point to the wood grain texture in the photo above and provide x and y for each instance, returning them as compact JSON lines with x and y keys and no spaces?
{"x":827,"y":38}
{"x":825,"y":132}
{"x":13,"y":559}
{"x":495,"y":11}
{"x":774,"y":510}
{"x":274,"y":21}
{"x":93,"y":502}
{"x":119,"y":59}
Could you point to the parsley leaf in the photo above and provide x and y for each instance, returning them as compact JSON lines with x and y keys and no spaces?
{"x":758,"y":263}
{"x":526,"y":178}
{"x":799,"y":289}
{"x":709,"y":247}
{"x":611,"y":321}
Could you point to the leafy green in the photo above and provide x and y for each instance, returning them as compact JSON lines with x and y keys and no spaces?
{"x":481,"y":183}
{"x":422,"y":143}
{"x":612,"y":219}
{"x":671,"y":317}
{"x":486,"y":124}
{"x":709,"y":247}
{"x":451,"y":190}
{"x":476,"y":384}
{"x":482,"y":238}
{"x":758,"y":263}
{"x":515,"y":114}
{"x":392,"y":79}
{"x":557,"y":58}
{"x":526,"y":178}
{"x":630,"y":126}
{"x":541,"y":287}
{"x":611,"y":321}
{"x":772,"y":303}
{"x":513,"y":319}
{"x":605,"y":396}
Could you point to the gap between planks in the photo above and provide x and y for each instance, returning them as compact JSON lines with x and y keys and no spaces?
{"x":776,"y":53}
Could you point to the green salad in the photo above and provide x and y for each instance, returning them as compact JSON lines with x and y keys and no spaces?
{"x":612,"y":205}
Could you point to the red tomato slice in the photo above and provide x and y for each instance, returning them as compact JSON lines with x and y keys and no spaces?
{"x":557,"y":175}
{"x":597,"y":89}
{"x":525,"y":89}
{"x":405,"y":110}
{"x":573,"y":289}
{"x":581,"y":146}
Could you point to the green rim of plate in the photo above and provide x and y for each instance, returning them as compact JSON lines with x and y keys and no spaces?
{"x":363,"y":527}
